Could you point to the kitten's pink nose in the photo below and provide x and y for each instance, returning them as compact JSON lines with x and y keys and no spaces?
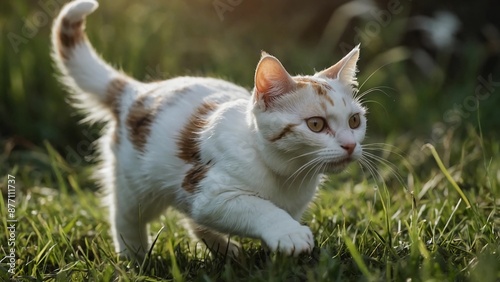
{"x":349,"y":147}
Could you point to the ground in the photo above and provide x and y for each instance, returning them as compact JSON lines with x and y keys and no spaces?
{"x":411,"y":227}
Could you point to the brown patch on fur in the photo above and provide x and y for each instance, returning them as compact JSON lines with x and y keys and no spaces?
{"x":176,"y":96}
{"x":112,"y":99}
{"x":116,"y":134}
{"x":194,"y":176}
{"x":139,"y":120}
{"x":305,"y":80}
{"x":169,"y":98}
{"x":320,"y":88}
{"x":329,"y":99}
{"x":69,"y":35}
{"x":187,"y":143}
{"x":323,"y":106}
{"x":143,"y":112}
{"x":285,"y":131}
{"x":114,"y":92}
{"x":189,"y":147}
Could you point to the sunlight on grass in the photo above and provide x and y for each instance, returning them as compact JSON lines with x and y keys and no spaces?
{"x":382,"y":233}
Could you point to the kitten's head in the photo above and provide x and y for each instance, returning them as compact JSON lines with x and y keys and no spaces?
{"x":313,"y":123}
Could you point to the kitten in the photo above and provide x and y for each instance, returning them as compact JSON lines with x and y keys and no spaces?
{"x":234,"y":162}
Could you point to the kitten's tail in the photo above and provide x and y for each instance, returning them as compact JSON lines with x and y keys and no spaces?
{"x":97,"y":87}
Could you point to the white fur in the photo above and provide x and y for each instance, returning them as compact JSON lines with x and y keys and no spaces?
{"x":254,"y":187}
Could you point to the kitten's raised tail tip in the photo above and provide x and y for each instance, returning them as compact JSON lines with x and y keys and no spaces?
{"x":77,"y":10}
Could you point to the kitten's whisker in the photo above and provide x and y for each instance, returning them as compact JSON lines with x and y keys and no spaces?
{"x":365,"y":163}
{"x":374,"y":89}
{"x":366,"y":168}
{"x":392,"y":168}
{"x":317,"y":164}
{"x":300,"y":170}
{"x":372,"y":101}
{"x":380,"y":144}
{"x":303,"y":155}
{"x":382,"y":149}
{"x":377,"y":158}
{"x":377,"y":176}
{"x":370,"y":76}
{"x":366,"y":92}
{"x":369,"y":154}
{"x":317,"y":171}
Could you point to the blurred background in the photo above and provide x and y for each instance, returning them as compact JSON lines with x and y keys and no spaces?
{"x":432,"y":66}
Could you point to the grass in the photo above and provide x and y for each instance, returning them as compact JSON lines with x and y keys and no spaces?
{"x":367,"y":230}
{"x":409,"y":222}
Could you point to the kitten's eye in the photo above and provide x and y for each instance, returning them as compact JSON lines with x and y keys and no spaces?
{"x":316,"y":124}
{"x":354,"y":121}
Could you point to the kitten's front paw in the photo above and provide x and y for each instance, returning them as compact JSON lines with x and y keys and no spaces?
{"x":291,"y":241}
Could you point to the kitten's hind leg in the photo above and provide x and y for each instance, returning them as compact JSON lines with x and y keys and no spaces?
{"x":215,"y":241}
{"x":129,"y":228}
{"x":130,"y":235}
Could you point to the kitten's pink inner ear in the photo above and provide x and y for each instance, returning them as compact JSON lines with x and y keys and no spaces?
{"x":345,"y":69}
{"x":271,"y":79}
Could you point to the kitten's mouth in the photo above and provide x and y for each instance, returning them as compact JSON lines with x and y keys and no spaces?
{"x":339,"y":164}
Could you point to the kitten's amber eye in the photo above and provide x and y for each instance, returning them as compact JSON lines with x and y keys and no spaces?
{"x":316,"y":124}
{"x":354,"y":121}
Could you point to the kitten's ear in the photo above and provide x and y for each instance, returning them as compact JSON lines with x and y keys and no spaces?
{"x":345,"y":69}
{"x":271,"y":79}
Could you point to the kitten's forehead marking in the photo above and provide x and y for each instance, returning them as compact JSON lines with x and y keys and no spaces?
{"x":286,"y":130}
{"x":324,"y":107}
{"x":320,"y":88}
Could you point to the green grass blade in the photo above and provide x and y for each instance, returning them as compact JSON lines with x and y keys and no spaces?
{"x":446,"y":173}
{"x":176,"y":272}
{"x":358,"y":259}
{"x":55,"y":161}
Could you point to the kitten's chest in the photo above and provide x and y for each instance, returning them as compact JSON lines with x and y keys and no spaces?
{"x":294,"y":197}
{"x":291,"y":196}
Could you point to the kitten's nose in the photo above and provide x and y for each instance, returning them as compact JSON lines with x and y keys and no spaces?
{"x":349,"y":147}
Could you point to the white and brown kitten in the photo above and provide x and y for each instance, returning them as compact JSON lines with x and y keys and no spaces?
{"x":234,"y":162}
